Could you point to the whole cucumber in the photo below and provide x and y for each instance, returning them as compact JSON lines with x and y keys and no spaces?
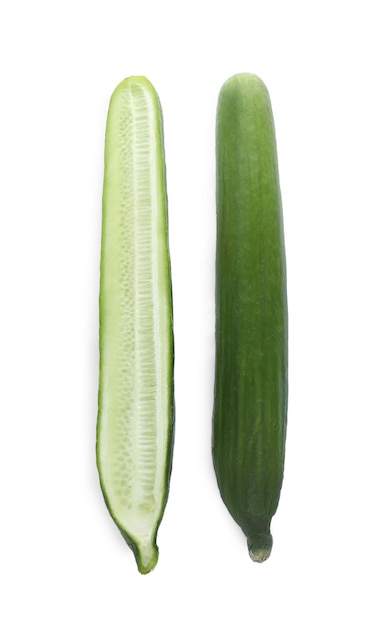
{"x":251,"y":370}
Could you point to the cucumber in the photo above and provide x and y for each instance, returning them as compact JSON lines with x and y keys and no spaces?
{"x":251,"y":363}
{"x":135,"y":423}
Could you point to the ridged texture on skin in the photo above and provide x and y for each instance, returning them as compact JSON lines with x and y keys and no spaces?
{"x":135,"y":419}
{"x":250,"y":404}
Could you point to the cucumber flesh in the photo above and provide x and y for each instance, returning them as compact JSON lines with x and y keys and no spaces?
{"x":136,"y":399}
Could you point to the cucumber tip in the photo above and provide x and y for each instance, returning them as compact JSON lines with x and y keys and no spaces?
{"x":260,"y":547}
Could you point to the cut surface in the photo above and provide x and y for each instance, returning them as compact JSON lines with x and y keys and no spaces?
{"x":136,"y":350}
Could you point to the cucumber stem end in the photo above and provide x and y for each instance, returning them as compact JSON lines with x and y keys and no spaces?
{"x":147,"y":557}
{"x":260,"y":547}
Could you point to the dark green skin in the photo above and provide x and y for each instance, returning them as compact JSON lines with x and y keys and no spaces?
{"x":251,"y":382}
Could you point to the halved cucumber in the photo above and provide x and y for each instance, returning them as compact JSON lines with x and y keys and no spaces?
{"x":136,"y":394}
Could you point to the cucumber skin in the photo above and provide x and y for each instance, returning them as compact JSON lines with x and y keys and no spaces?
{"x":148,"y":566}
{"x":251,"y":368}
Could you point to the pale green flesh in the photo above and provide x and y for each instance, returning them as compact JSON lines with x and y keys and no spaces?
{"x":136,"y":345}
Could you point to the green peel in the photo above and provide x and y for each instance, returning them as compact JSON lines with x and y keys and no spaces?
{"x":251,"y":370}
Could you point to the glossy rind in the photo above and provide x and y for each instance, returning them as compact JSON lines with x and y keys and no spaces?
{"x":136,"y":389}
{"x":251,"y":370}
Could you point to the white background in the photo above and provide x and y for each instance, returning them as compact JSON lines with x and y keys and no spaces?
{"x":62,"y":561}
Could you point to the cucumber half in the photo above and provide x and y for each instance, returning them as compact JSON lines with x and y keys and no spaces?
{"x":136,"y":391}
